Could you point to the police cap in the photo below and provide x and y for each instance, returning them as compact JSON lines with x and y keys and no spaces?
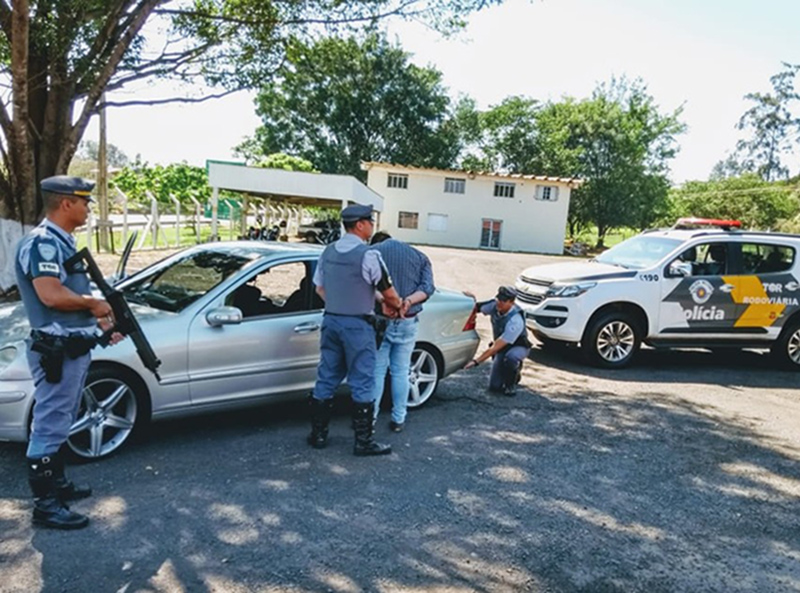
{"x":506,"y":293}
{"x":65,"y":185}
{"x":357,"y":212}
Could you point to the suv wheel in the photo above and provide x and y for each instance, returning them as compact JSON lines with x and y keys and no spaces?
{"x":611,"y":340}
{"x":787,"y":348}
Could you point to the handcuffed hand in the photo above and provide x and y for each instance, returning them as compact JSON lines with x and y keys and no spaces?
{"x":390,"y":312}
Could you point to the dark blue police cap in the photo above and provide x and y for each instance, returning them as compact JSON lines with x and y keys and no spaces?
{"x":506,"y":293}
{"x":65,"y":185}
{"x":357,"y":212}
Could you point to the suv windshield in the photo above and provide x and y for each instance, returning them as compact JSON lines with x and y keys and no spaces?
{"x":178,"y":281}
{"x":639,"y":252}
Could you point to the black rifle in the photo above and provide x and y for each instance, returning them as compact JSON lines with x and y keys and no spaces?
{"x":124,"y":320}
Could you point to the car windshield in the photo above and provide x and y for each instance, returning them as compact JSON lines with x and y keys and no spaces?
{"x":176,"y":282}
{"x":639,"y":252}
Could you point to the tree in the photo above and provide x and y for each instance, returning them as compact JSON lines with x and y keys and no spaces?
{"x":279,"y":160}
{"x":178,"y":180}
{"x":338,"y":102}
{"x":59,"y":57}
{"x":624,"y":145}
{"x":89,"y":150}
{"x":757,"y":203}
{"x":775,"y":130}
{"x":617,"y":141}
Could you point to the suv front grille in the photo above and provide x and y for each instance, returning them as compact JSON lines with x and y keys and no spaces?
{"x":535,"y":281}
{"x":533,"y":299}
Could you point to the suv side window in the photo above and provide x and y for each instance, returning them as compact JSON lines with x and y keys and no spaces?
{"x":762,"y":258}
{"x":707,"y":259}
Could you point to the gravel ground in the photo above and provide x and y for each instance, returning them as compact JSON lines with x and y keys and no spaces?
{"x":678,"y":474}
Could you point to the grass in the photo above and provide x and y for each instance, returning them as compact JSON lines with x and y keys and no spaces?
{"x":589,"y":237}
{"x":166,"y":237}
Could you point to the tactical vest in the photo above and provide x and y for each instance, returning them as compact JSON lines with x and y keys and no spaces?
{"x":77,"y":280}
{"x":346,"y":291}
{"x":499,"y":323}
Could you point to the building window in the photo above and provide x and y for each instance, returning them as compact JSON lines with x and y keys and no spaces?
{"x":408,"y":220}
{"x":437,"y":222}
{"x":454,"y":186}
{"x":397,"y":181}
{"x":503,"y":189}
{"x":490,"y":233}
{"x":547,"y":193}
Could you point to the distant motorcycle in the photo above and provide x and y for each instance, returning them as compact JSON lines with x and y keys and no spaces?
{"x":263,"y":233}
{"x":329,"y":235}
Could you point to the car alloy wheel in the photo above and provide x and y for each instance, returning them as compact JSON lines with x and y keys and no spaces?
{"x":611,"y":340}
{"x":107,"y":415}
{"x":793,"y":347}
{"x":787,"y":348}
{"x":423,"y":376}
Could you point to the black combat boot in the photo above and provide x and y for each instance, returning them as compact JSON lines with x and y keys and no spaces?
{"x":320,"y":418}
{"x":67,"y":489}
{"x":48,"y":509}
{"x":364,"y":426}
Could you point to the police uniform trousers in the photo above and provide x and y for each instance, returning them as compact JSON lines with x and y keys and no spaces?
{"x":505,"y":365}
{"x":347,"y":349}
{"x":55,"y":404}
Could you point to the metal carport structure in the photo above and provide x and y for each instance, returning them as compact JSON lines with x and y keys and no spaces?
{"x":292,"y":187}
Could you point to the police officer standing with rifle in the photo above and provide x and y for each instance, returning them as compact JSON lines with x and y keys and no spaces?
{"x":64,"y":318}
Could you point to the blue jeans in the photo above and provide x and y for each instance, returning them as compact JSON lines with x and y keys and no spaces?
{"x":395,"y":355}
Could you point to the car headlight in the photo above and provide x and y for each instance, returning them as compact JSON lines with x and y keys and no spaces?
{"x":7,"y":356}
{"x":569,"y":290}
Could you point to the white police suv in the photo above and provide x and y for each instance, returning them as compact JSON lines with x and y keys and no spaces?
{"x":683,"y":287}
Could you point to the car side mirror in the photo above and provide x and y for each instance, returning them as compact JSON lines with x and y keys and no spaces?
{"x":224,"y":316}
{"x":679,"y":268}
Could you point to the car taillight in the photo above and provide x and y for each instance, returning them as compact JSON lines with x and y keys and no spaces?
{"x":470,"y":324}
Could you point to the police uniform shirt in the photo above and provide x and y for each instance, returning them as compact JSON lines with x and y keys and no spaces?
{"x":514,"y":326}
{"x":42,"y":254}
{"x":372,"y":265}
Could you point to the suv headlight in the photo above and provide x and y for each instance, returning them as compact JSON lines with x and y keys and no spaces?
{"x":569,"y":290}
{"x":7,"y":356}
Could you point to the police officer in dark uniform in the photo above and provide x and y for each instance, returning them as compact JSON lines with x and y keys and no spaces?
{"x":347,"y":277}
{"x":511,"y":345}
{"x":63,"y":317}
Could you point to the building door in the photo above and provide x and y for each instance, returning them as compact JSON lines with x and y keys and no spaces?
{"x":490,"y":233}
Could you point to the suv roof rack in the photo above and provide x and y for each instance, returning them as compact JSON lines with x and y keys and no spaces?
{"x":692,"y":222}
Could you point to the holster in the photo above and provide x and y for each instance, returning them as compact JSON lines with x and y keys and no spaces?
{"x":52,"y":350}
{"x":51,"y":355}
{"x":379,"y":323}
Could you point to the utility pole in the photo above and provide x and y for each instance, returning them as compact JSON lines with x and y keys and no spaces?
{"x":102,"y":179}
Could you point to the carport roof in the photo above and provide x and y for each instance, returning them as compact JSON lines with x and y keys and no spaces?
{"x":295,"y":187}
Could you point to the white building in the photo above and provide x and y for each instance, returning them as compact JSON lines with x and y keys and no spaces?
{"x":472,"y":209}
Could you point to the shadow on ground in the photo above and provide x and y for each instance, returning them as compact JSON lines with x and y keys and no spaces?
{"x":595,"y":492}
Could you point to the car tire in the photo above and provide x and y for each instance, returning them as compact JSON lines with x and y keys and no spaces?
{"x":611,"y":340}
{"x":786,"y":349}
{"x":424,"y":375}
{"x":114,"y":408}
{"x":311,"y":237}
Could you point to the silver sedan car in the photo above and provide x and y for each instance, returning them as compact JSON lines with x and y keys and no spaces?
{"x":234,"y":324}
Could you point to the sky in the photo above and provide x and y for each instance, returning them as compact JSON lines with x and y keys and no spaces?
{"x":699,"y":55}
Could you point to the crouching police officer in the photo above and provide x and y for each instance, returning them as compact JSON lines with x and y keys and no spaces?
{"x":347,"y":276}
{"x":511,"y":345}
{"x":64,"y":317}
